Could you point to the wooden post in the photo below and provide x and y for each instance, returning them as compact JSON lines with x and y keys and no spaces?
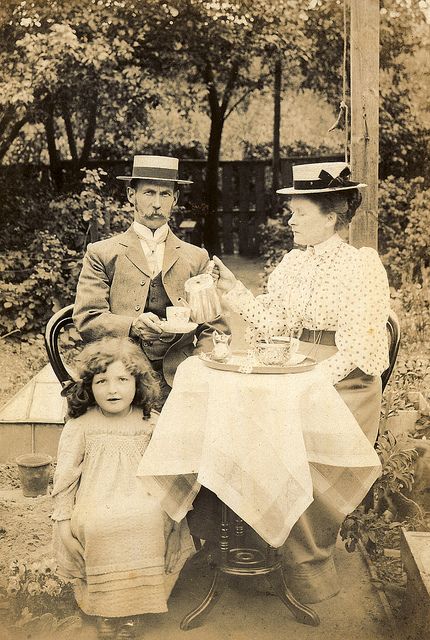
{"x":244,"y":201}
{"x":227,"y":208}
{"x":364,"y":117}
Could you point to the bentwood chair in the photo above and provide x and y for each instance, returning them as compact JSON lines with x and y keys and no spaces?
{"x":393,"y":328}
{"x":59,"y":321}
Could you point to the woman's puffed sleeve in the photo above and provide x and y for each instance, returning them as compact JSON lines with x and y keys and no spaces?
{"x":361,"y":335}
{"x":266,"y":312}
{"x":71,"y":451}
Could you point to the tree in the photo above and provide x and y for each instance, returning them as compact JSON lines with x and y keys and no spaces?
{"x":226,"y":48}
{"x":404,"y":142}
{"x":75,"y":73}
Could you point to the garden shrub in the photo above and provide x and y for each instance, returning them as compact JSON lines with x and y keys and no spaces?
{"x":371,"y":526}
{"x":36,"y":282}
{"x":274,"y":239}
{"x":264,"y":151}
{"x":24,"y":208}
{"x":404,"y":228}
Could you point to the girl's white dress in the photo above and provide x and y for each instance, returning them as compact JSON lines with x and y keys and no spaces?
{"x":122,"y":528}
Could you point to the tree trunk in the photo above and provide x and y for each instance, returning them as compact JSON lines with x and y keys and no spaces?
{"x":211,"y":227}
{"x":91,"y":130}
{"x":54,"y":162}
{"x":276,"y":159}
{"x":71,"y":139}
{"x":10,"y":137}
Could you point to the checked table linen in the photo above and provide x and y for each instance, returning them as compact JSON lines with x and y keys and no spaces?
{"x":261,"y":442}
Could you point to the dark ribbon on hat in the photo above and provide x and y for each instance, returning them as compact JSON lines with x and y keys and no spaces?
{"x":155,"y":172}
{"x":327,"y":181}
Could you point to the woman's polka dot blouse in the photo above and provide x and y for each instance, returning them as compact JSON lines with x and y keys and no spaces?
{"x":331,"y":286}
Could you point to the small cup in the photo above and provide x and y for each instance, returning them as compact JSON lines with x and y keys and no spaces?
{"x":178,"y":315}
{"x":292,"y":343}
{"x":277,"y":352}
{"x":272,"y":354}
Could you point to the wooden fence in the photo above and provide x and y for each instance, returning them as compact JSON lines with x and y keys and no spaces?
{"x":245,"y":196}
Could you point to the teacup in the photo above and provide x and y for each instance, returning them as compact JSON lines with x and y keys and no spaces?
{"x":292,"y":343}
{"x":178,"y":315}
{"x":278,"y":351}
{"x":270,"y":353}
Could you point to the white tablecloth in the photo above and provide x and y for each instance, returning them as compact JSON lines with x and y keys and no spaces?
{"x":261,"y":443}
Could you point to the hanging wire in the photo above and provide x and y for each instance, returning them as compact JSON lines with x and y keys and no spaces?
{"x":344,"y":104}
{"x":342,"y":121}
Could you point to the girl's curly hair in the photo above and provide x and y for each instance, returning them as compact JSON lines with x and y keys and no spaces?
{"x":95,"y":358}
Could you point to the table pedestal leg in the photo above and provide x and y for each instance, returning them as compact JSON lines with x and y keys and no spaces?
{"x":242,"y":561}
{"x":303,"y":614}
{"x":197,"y":615}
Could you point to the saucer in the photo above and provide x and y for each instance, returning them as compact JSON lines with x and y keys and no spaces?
{"x":178,"y":327}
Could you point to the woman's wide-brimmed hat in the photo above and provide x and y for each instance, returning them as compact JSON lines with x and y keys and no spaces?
{"x":321,"y":177}
{"x":163,"y":168}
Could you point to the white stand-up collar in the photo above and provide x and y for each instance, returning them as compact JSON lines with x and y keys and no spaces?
{"x":326,"y":246}
{"x":159,"y":235}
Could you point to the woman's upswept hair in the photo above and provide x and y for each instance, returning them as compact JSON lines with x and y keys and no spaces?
{"x":343,"y":203}
{"x":95,"y":358}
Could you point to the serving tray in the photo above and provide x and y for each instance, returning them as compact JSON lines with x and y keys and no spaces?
{"x":238,"y":359}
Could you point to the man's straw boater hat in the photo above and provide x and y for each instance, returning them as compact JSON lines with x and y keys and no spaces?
{"x":159,"y":168}
{"x":321,"y":177}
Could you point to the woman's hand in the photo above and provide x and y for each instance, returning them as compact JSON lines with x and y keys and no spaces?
{"x":173,"y":549}
{"x":224,"y":278}
{"x":72,"y":544}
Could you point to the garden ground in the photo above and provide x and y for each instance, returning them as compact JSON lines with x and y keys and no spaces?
{"x":248,"y":609}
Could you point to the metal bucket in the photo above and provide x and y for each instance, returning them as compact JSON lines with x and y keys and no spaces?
{"x":33,"y":469}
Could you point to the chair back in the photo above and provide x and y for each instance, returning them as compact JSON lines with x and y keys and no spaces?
{"x":59,"y":321}
{"x":393,"y":329}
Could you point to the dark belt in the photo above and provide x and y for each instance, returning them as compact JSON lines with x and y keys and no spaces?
{"x":326,"y":338}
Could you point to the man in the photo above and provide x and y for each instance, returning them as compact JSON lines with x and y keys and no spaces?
{"x":127,"y":281}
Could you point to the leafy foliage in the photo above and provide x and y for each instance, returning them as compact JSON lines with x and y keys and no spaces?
{"x":42,"y":278}
{"x":46,"y":627}
{"x":299,"y":148}
{"x":404,"y":235}
{"x":275,"y":239}
{"x":72,"y":66}
{"x":404,"y":140}
{"x":36,"y":282}
{"x":397,"y":456}
{"x":370,"y":526}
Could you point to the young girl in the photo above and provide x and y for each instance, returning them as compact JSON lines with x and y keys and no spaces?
{"x":110,"y":535}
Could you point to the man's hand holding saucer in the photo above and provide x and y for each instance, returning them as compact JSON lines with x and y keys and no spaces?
{"x":148,"y":326}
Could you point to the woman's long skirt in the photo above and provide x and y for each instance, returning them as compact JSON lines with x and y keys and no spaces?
{"x":309,"y":549}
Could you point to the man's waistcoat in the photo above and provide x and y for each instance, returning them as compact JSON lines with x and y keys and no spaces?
{"x":156,"y":302}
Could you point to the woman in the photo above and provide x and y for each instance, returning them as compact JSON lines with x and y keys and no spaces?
{"x":336,"y":297}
